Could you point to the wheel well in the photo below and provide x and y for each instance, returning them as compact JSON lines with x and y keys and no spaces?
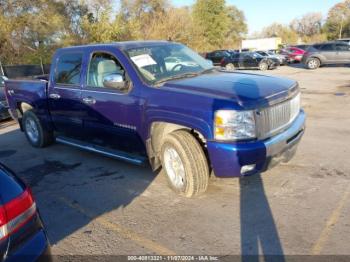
{"x":24,"y":107}
{"x":315,"y":57}
{"x":159,"y":130}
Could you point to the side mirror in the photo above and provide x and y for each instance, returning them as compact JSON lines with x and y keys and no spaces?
{"x":114,"y":81}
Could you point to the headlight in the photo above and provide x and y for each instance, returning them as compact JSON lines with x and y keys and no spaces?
{"x":234,"y":125}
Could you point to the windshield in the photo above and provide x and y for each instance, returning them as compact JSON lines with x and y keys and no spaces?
{"x":158,"y":63}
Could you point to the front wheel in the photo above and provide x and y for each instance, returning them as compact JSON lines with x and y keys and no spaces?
{"x":313,"y":63}
{"x":185,"y":164}
{"x":263,"y":66}
{"x":230,"y":67}
{"x":34,"y":131}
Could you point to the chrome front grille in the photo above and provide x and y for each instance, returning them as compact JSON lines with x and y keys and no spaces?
{"x":273,"y":119}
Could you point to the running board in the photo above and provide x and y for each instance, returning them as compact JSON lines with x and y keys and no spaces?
{"x":116,"y":154}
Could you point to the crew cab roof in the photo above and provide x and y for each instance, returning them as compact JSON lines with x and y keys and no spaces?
{"x":120,"y":45}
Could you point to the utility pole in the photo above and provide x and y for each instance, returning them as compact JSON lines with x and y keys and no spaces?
{"x":341,"y":26}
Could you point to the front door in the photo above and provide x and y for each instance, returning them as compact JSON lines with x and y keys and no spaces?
{"x":246,"y":61}
{"x":64,"y":94}
{"x":343,"y":53}
{"x":217,"y":57}
{"x":112,"y":113}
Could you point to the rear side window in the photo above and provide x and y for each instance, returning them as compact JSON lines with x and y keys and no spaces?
{"x":327,"y":47}
{"x":318,"y":47}
{"x":342,"y":47}
{"x":68,"y":69}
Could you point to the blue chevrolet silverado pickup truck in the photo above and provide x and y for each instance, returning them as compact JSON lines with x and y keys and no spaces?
{"x":162,"y":103}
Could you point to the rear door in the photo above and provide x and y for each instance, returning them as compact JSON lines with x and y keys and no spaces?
{"x":343,"y":52}
{"x":248,"y":61}
{"x":64,"y":96}
{"x":329,"y":52}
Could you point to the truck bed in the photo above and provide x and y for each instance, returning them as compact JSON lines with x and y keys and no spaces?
{"x":33,"y":92}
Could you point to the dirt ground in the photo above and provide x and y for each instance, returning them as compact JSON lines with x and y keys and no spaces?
{"x":93,"y":205}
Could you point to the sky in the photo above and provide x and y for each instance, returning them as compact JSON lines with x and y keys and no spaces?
{"x":260,"y":14}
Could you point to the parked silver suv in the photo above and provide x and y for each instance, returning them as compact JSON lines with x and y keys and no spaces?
{"x":327,"y":54}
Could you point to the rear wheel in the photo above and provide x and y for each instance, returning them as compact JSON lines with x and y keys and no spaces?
{"x":313,"y":63}
{"x":230,"y":67}
{"x":185,"y":164}
{"x":263,"y":66}
{"x":34,"y":131}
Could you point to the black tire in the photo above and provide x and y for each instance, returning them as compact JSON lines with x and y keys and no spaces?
{"x":263,"y":66}
{"x":313,"y":63}
{"x":45,"y":137}
{"x":194,"y":162}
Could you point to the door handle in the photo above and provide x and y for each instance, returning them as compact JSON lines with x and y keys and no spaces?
{"x":55,"y":96}
{"x":89,"y":101}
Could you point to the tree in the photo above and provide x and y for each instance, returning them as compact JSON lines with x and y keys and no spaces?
{"x":175,"y":25}
{"x":30,"y":31}
{"x":287,"y":35}
{"x":212,"y":22}
{"x":338,"y":21}
{"x":308,"y":25}
{"x":137,"y":15}
{"x":97,"y":25}
{"x":32,"y":35}
{"x":237,"y":27}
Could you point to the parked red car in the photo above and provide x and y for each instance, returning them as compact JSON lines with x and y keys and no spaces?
{"x":294,"y":54}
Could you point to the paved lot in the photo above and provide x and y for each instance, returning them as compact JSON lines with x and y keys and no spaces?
{"x":95,"y":205}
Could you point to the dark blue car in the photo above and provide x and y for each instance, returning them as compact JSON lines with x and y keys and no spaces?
{"x":22,"y":234}
{"x":161,"y":102}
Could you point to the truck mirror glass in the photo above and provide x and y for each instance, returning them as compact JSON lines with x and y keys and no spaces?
{"x":114,"y":81}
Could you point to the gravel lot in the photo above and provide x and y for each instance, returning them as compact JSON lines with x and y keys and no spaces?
{"x":98,"y":206}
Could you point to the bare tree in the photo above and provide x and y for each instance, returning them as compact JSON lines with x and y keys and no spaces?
{"x":308,"y":25}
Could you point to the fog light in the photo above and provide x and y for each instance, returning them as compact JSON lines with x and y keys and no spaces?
{"x":246,"y":169}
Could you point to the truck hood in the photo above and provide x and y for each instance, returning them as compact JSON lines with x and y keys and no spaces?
{"x":246,"y":89}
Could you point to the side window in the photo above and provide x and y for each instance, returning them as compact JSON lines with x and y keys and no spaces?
{"x":103,"y":68}
{"x":68,"y":69}
{"x":247,"y":57}
{"x":327,"y":47}
{"x":342,"y":47}
{"x":318,"y":47}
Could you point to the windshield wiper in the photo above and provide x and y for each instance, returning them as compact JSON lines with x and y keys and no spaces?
{"x":192,"y":74}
